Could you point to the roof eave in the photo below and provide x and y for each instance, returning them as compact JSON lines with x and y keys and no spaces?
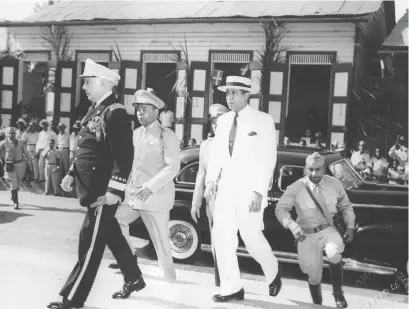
{"x":99,"y":22}
{"x":393,"y":50}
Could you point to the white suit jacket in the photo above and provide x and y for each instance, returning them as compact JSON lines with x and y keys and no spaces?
{"x":254,"y":156}
{"x":156,"y":163}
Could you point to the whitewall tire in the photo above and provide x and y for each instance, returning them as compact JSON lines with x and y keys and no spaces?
{"x":184,"y":240}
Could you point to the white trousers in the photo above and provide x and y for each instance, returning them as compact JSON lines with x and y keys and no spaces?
{"x":157,"y":224}
{"x":231,"y":214}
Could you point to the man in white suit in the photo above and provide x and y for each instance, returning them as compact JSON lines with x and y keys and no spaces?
{"x":150,"y":191}
{"x":244,"y":158}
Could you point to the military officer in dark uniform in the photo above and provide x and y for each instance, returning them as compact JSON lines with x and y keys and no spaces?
{"x":101,"y":168}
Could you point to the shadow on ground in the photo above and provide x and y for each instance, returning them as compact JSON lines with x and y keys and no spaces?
{"x":10,"y":216}
{"x":35,"y":207}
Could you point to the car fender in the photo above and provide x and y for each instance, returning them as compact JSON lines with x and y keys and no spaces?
{"x":382,"y":243}
{"x":178,"y":204}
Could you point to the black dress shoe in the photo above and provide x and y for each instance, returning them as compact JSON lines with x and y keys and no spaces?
{"x":65,"y":304}
{"x":226,"y":298}
{"x":275,"y":287}
{"x":128,"y":288}
{"x":114,"y":266}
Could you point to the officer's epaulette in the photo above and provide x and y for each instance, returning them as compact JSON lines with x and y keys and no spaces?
{"x":115,"y":106}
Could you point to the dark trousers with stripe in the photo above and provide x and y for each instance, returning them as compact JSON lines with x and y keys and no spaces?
{"x":99,"y":229}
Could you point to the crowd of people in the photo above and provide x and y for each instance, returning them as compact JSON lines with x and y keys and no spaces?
{"x":46,"y":155}
{"x":373,"y":166}
{"x":369,"y":163}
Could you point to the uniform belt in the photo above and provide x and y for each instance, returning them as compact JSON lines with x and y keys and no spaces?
{"x":31,"y":144}
{"x":63,"y":148}
{"x":316,"y":229}
{"x":51,"y":163}
{"x":18,"y":161}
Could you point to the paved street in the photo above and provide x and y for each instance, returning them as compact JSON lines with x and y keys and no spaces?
{"x":38,"y":248}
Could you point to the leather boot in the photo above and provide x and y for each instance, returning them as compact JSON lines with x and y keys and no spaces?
{"x":337,"y":279}
{"x":316,"y":293}
{"x":16,"y":199}
{"x":12,"y":196}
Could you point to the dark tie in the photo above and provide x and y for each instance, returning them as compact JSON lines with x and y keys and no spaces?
{"x":233,"y":131}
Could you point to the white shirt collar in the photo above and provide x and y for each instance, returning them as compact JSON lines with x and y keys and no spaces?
{"x":106,"y":95}
{"x":245,"y":111}
{"x":151,"y":126}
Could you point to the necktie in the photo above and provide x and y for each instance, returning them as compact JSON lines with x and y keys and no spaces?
{"x":233,"y":131}
{"x":320,"y":198}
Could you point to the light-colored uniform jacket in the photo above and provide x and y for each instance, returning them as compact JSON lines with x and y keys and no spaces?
{"x":251,"y":166}
{"x":156,"y":163}
{"x":204,"y":156}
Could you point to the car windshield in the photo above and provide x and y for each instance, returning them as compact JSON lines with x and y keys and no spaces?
{"x":345,"y":173}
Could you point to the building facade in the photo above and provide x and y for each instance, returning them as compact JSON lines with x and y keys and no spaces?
{"x":309,"y":89}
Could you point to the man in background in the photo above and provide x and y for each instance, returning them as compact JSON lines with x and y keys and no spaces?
{"x":215,"y":111}
{"x":399,"y":151}
{"x":52,"y":159}
{"x":30,"y":138}
{"x":63,"y":147}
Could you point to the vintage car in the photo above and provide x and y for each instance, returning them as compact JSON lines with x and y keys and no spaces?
{"x":381,"y":240}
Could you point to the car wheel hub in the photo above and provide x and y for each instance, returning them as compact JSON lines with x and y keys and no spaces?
{"x":181,"y":237}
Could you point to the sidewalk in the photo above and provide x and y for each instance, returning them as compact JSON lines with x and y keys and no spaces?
{"x":32,"y":278}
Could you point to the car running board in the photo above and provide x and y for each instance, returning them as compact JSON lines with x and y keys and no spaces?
{"x":349,"y":264}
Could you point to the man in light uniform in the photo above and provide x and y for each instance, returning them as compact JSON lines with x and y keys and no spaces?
{"x":52,"y":159}
{"x":30,"y":138}
{"x":22,"y":124}
{"x":150,"y":193}
{"x":215,"y":111}
{"x":43,"y":138}
{"x":12,"y":153}
{"x":63,"y":147}
{"x":74,"y":140}
{"x":244,"y":157}
{"x":315,"y":232}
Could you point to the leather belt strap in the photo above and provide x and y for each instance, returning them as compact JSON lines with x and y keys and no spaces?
{"x":18,"y":161}
{"x":51,"y":163}
{"x":317,"y":229}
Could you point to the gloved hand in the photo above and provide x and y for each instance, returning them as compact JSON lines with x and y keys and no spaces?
{"x":66,"y":183}
{"x":298,"y":233}
{"x":210,"y":191}
{"x":349,"y":235}
{"x":108,"y":199}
